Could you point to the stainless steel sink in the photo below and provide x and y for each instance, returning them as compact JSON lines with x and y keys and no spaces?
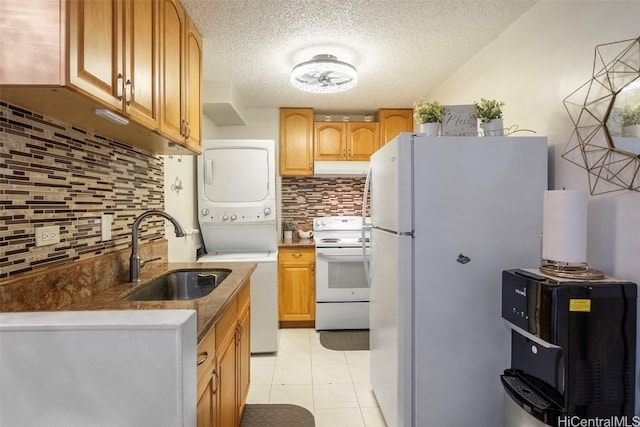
{"x":180,"y":285}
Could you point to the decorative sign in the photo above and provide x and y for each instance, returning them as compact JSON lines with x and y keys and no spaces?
{"x":459,"y":120}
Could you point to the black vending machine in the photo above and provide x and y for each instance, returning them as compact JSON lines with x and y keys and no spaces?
{"x":573,"y":350}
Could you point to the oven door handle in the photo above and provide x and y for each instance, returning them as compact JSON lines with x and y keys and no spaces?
{"x":343,"y":255}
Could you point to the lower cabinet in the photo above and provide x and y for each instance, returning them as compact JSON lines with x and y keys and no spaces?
{"x":207,"y":375}
{"x":223,"y":369}
{"x":297,"y":287}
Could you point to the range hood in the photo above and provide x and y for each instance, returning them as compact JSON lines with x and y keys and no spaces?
{"x":340,"y":168}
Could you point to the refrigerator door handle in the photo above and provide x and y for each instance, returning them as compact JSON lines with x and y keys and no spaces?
{"x":365,"y":226}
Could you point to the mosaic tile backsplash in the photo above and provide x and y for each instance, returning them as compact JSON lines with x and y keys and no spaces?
{"x":55,"y":174}
{"x":305,"y":198}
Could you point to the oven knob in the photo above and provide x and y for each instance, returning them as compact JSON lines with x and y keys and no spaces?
{"x":234,"y":217}
{"x":204,"y":212}
{"x":225,"y":217}
{"x":267,"y":211}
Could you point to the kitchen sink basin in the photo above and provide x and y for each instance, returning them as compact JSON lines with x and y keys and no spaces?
{"x":180,"y":285}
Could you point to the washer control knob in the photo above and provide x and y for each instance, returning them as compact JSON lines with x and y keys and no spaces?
{"x":204,"y":212}
{"x":225,"y":217}
{"x":267,"y":211}
{"x":234,"y":217}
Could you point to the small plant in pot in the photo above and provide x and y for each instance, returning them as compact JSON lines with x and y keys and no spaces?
{"x":630,"y":115}
{"x":287,"y":228}
{"x":489,"y":111}
{"x":429,"y":115}
{"x":631,"y":121}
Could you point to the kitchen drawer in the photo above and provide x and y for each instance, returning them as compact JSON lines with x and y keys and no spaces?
{"x":227,"y":322}
{"x":296,"y":255}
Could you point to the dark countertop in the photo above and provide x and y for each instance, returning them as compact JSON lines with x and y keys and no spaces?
{"x":208,"y":308}
{"x":297,"y":243}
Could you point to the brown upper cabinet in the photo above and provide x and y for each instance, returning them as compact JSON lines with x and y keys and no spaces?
{"x":303,"y":141}
{"x":296,"y":141}
{"x":345,"y":141}
{"x":193,"y":87}
{"x":394,"y":121}
{"x":181,"y":62}
{"x":65,"y":59}
{"x":362,"y":140}
{"x":117,"y":62}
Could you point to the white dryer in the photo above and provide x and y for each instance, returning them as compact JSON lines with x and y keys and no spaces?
{"x":237,"y":216}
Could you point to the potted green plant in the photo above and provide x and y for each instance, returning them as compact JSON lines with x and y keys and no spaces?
{"x":287,"y":228}
{"x":428,"y":115}
{"x":631,"y":121}
{"x":489,"y":111}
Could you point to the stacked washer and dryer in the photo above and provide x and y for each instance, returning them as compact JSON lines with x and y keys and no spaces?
{"x":237,"y":216}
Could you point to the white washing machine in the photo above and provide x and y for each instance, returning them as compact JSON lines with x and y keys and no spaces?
{"x":264,"y":296}
{"x":237,"y":216}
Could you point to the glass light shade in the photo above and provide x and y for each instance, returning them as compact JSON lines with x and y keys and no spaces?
{"x":324,"y":74}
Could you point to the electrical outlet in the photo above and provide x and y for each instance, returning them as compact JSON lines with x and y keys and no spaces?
{"x":47,"y":235}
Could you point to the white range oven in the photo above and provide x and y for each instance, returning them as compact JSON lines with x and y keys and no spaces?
{"x":342,"y":290}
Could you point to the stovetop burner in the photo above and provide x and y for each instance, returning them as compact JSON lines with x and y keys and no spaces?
{"x":338,"y":232}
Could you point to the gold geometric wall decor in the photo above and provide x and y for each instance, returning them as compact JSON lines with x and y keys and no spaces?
{"x":616,"y":67}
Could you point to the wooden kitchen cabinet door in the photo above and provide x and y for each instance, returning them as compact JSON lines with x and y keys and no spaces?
{"x":193,"y":89}
{"x":114,"y":55}
{"x":96,"y":49}
{"x":394,"y":121}
{"x":329,"y":141}
{"x":296,"y":142}
{"x":227,"y":403}
{"x":142,"y":59}
{"x":172,"y":21}
{"x":207,"y":388}
{"x":297,"y":289}
{"x":362,"y":140}
{"x":243,"y":350}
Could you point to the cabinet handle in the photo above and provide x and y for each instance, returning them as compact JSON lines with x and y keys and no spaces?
{"x":216,"y":380}
{"x":119,"y":86}
{"x":202,"y":358}
{"x":344,"y":153}
{"x":310,"y":166}
{"x":238,"y":333}
{"x":349,"y":152}
{"x":187,"y":129}
{"x":296,"y":255}
{"x":128,"y":92}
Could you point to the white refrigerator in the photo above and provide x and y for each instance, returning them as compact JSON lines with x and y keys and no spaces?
{"x":448,"y":214}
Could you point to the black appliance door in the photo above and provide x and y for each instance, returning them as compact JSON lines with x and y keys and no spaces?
{"x":534,"y":399}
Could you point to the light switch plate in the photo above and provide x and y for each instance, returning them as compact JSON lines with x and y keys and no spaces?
{"x":47,"y":235}
{"x":105,"y":227}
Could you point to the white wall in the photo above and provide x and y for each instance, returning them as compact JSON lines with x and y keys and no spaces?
{"x":262,"y":123}
{"x":533,"y":66}
{"x":181,"y":204}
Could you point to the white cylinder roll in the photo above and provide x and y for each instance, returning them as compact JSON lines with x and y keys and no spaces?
{"x":564,"y":227}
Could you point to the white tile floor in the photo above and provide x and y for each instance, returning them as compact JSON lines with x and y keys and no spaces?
{"x":333,"y":385}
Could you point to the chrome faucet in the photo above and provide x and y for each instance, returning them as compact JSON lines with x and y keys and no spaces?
{"x":134,"y":261}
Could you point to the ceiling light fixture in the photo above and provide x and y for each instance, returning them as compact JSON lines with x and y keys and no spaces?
{"x":324,"y":74}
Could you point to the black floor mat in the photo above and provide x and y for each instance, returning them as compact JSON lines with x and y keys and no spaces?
{"x":345,"y":340}
{"x":276,"y":415}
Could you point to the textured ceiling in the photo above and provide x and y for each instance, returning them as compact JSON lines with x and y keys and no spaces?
{"x":401,"y":49}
